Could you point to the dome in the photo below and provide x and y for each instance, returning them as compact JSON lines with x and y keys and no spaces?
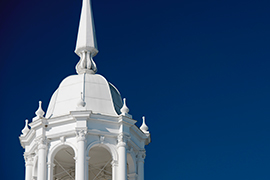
{"x":94,"y":90}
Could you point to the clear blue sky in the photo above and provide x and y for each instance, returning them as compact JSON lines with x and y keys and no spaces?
{"x":198,"y":70}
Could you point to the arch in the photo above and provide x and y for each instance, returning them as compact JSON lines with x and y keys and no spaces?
{"x":99,"y":163}
{"x":107,"y":146}
{"x":52,"y":153}
{"x":131,"y":160}
{"x":58,"y":147}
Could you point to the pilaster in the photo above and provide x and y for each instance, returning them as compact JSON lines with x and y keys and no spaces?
{"x":132,"y":176}
{"x":28,"y":165}
{"x":140,"y":162}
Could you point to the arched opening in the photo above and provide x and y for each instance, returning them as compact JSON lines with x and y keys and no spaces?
{"x":99,"y":164}
{"x":64,"y":164}
{"x":131,"y":166}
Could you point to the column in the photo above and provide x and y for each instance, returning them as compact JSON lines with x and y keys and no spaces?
{"x":28,"y":166}
{"x":122,"y":152}
{"x":80,"y":160}
{"x":140,"y":162}
{"x":114,"y":169}
{"x":50,"y":170}
{"x":42,"y":148}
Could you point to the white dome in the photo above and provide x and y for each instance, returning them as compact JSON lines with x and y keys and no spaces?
{"x":99,"y":96}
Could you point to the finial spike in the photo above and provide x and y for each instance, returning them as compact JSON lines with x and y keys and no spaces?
{"x":124,"y":110}
{"x":86,"y":46}
{"x":144,"y":127}
{"x":40,"y":111}
{"x":25,"y":130}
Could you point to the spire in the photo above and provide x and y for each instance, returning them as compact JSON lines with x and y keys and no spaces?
{"x":86,"y":46}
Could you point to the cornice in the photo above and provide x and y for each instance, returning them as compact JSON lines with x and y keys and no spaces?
{"x":70,"y":133}
{"x":60,"y":120}
{"x":126,"y":120}
{"x":138,"y":132}
{"x":101,"y":133}
{"x":134,"y":145}
{"x":28,"y":138}
{"x":38,"y":123}
{"x":104,"y":118}
{"x":81,"y":114}
{"x":141,"y":135}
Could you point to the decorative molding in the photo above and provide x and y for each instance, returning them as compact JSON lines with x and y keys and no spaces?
{"x":63,"y":139}
{"x":29,"y":158}
{"x":101,"y":139}
{"x":86,"y":63}
{"x":130,"y":150}
{"x":141,"y":156}
{"x":81,"y":135}
{"x":75,"y":159}
{"x":60,"y":120}
{"x":42,"y":143}
{"x":114,"y":163}
{"x":55,"y":136}
{"x":122,"y":140}
{"x":27,"y":139}
{"x":50,"y":165}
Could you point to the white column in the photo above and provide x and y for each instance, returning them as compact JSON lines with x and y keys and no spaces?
{"x":140,"y":162}
{"x":50,"y":170}
{"x":122,"y":152}
{"x":28,"y":166}
{"x":42,"y":148}
{"x":114,"y":169}
{"x":80,"y":161}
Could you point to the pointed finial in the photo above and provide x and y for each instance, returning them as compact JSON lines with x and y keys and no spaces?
{"x":144,"y":127}
{"x":124,"y":110}
{"x":40,"y":112}
{"x":86,"y":46}
{"x":81,"y":102}
{"x":25,"y":130}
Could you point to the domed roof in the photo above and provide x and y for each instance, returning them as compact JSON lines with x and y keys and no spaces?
{"x":94,"y":90}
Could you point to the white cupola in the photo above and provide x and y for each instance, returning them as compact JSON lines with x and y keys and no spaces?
{"x":87,"y":132}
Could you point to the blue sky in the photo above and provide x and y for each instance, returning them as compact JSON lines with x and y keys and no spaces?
{"x":198,"y":71}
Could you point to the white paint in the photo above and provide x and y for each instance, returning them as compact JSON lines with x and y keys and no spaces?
{"x":81,"y":156}
{"x":84,"y":121}
{"x":97,"y":95}
{"x":42,"y":161}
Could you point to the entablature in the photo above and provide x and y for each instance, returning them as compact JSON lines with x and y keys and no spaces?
{"x":28,"y":138}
